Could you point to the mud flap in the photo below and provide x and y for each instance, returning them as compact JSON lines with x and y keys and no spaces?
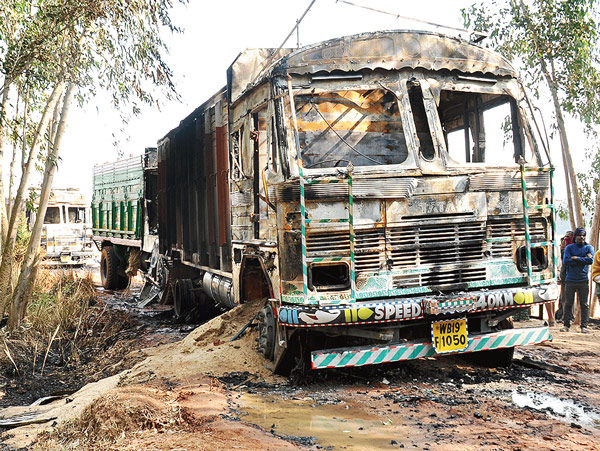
{"x":283,"y":358}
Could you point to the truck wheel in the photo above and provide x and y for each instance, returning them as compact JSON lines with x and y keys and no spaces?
{"x":183,"y":297}
{"x":497,"y":358}
{"x":109,"y":265}
{"x":266,"y":332}
{"x":122,"y":282}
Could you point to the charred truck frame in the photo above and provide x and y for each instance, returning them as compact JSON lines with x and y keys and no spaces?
{"x":386,"y":194}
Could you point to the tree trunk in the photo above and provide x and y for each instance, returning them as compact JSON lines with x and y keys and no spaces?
{"x":13,"y":161}
{"x":3,"y":215}
{"x":574,"y":199}
{"x":27,"y":276}
{"x":569,"y":191}
{"x":566,"y":152}
{"x":9,"y":244}
{"x":594,"y":241}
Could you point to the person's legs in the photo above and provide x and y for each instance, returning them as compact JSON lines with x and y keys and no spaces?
{"x":583,"y":291}
{"x":561,"y":299}
{"x":568,"y":306}
{"x":550,"y":312}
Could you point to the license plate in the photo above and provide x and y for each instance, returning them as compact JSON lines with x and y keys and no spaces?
{"x":449,"y":336}
{"x":65,"y":258}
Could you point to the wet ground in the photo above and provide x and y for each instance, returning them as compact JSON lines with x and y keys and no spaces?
{"x":434,"y":404}
{"x":205,"y":392}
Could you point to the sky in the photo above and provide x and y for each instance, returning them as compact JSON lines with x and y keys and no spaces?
{"x":214,"y":34}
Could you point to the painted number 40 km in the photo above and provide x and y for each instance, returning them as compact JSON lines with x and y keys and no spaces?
{"x":449,"y":336}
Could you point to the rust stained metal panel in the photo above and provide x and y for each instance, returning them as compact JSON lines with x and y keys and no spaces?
{"x":250,"y":67}
{"x":223,"y":184}
{"x":209,"y":163}
{"x":391,"y":50}
{"x":397,"y":50}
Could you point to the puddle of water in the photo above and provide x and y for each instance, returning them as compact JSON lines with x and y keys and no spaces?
{"x":332,"y":425}
{"x":565,"y":410}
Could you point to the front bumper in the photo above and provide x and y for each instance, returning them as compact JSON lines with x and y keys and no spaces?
{"x":370,"y":355}
{"x":390,"y":310}
{"x":67,"y":258}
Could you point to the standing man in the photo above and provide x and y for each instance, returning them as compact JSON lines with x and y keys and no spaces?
{"x":577,"y":258}
{"x":564,"y":242}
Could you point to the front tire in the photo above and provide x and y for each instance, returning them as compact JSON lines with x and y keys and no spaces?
{"x":266,"y":332}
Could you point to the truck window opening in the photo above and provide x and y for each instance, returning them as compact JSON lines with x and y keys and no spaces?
{"x":52,"y":216}
{"x":426,"y":148}
{"x":368,"y":121}
{"x":478,"y":128}
{"x":76,"y":215}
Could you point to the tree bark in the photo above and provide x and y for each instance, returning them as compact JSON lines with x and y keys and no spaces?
{"x":566,"y":152}
{"x":574,"y":199}
{"x":594,"y":241}
{"x":13,"y":161}
{"x":27,"y":276}
{"x":9,"y":244}
{"x":3,"y":215}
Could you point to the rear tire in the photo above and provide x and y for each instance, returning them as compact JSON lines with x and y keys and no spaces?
{"x":183,"y":297}
{"x":109,"y":266}
{"x":122,"y":282}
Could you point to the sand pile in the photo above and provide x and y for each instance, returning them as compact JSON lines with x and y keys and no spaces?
{"x":208,"y":351}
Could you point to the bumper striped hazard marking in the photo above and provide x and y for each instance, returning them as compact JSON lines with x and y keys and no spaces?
{"x":359,"y":356}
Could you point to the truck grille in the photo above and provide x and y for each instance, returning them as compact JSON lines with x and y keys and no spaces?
{"x":513,"y":231}
{"x":451,"y":245}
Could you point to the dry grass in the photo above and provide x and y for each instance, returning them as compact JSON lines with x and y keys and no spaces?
{"x":119,"y":416}
{"x":61,"y":319}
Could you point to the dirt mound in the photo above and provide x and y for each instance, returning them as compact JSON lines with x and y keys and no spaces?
{"x":174,"y":390}
{"x":225,"y":326}
{"x":153,"y":417}
{"x":208,"y":351}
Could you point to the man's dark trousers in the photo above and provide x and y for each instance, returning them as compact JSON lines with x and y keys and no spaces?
{"x":583,"y":290}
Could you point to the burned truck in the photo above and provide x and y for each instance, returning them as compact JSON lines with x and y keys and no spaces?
{"x":387,"y":195}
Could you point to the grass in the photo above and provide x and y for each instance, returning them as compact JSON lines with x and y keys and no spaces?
{"x":56,"y":316}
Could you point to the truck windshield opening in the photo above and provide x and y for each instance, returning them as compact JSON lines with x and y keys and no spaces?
{"x":363,"y":127}
{"x":479,"y":128}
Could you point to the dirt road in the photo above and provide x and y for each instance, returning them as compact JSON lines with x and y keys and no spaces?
{"x":205,"y":392}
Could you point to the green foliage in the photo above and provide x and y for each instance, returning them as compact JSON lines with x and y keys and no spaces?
{"x":589,"y":181}
{"x":23,"y":233}
{"x":563,"y":212}
{"x":113,"y":45}
{"x":555,"y":38}
{"x":557,"y":42}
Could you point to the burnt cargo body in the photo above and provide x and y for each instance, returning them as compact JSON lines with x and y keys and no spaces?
{"x":387,"y":195}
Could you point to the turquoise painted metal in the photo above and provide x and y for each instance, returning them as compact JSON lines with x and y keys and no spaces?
{"x":526,"y":221}
{"x":526,"y":208}
{"x":361,"y":356}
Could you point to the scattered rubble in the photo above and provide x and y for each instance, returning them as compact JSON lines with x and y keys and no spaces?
{"x":206,"y":392}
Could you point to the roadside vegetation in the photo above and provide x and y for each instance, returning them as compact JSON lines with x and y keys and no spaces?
{"x":66,"y":335}
{"x":52,"y":52}
{"x":555,"y":43}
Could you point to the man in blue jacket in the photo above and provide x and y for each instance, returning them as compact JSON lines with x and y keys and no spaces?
{"x":578,"y":256}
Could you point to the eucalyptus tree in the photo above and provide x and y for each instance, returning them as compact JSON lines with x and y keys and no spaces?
{"x":557,"y":44}
{"x":69,"y":48}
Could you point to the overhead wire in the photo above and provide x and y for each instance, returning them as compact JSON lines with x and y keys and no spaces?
{"x":399,"y":16}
